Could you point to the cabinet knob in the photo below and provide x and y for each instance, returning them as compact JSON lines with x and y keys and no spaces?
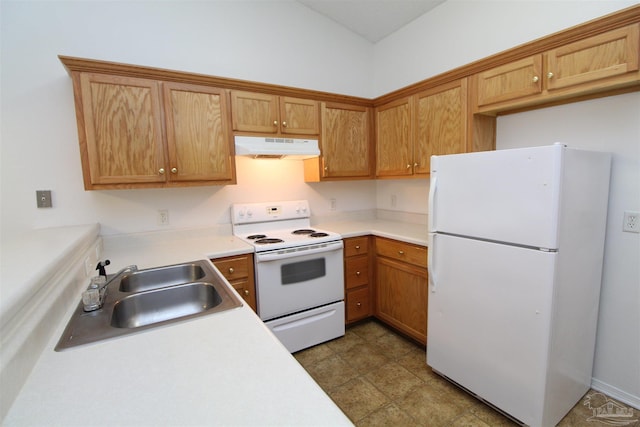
{"x":246,"y":292}
{"x":357,"y":273}
{"x":326,"y":168}
{"x":550,"y":74}
{"x":408,"y":166}
{"x":359,"y":304}
{"x":358,"y":247}
{"x":415,"y":165}
{"x":231,"y":270}
{"x":535,"y":79}
{"x":284,"y":124}
{"x":275,"y":123}
{"x":401,"y":252}
{"x":161,"y":171}
{"x":174,"y":170}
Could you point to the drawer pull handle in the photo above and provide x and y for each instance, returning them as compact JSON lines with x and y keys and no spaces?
{"x":357,"y":273}
{"x":359,"y":304}
{"x":401,"y":252}
{"x":246,"y":292}
{"x":358,"y":247}
{"x":231,"y":270}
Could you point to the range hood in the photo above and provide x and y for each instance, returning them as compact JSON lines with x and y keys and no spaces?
{"x":276,"y":148}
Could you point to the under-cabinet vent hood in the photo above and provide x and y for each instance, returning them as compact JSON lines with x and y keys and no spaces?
{"x":276,"y":148}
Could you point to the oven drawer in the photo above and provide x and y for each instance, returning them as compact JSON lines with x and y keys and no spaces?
{"x":311,"y":327}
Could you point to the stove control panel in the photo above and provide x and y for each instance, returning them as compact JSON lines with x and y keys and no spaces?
{"x":244,"y":213}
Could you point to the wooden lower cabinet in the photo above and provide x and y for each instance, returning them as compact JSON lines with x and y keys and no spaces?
{"x":239,"y":271}
{"x":401,"y":287}
{"x":357,"y":278}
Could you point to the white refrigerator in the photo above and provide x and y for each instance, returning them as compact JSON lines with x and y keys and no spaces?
{"x":516,"y":244}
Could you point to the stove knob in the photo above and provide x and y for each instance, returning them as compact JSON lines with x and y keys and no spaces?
{"x":249,"y":214}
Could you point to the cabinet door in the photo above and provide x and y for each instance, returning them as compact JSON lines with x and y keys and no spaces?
{"x":401,"y":297}
{"x":393,"y":139}
{"x":441,"y":124}
{"x":198,"y":138}
{"x":510,"y":81}
{"x":598,"y":57}
{"x":122,"y":130}
{"x":299,"y":116}
{"x":254,"y":112}
{"x":346,"y":149}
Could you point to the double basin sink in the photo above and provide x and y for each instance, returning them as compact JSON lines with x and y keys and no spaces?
{"x":150,"y":298}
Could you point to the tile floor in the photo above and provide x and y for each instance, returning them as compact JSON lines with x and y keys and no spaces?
{"x":379,"y":378}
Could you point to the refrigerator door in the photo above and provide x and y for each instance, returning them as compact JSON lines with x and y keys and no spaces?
{"x":489,"y":320}
{"x":505,"y":195}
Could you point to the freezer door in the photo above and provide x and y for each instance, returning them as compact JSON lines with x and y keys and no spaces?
{"x":488,"y":321}
{"x":505,"y":195}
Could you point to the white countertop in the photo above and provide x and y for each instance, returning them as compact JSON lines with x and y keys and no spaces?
{"x":223,"y":369}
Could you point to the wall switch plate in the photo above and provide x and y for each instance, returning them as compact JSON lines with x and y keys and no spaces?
{"x":43,"y":198}
{"x":631,"y":222}
{"x":163,"y":217}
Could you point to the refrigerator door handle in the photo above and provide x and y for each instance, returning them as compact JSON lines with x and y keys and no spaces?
{"x":432,"y":269}
{"x":433,"y":186}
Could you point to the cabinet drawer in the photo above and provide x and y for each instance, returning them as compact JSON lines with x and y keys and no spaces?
{"x":405,"y":252}
{"x":356,"y":271}
{"x":358,"y":304}
{"x":233,"y":268}
{"x":356,"y":246}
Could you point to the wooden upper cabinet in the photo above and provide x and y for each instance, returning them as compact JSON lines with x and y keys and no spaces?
{"x":595,"y":64}
{"x":264,"y":113}
{"x":144,"y":133}
{"x":440,"y":123}
{"x":394,"y":144}
{"x":510,"y":81}
{"x":199,"y":140}
{"x":599,"y":57}
{"x":346,"y":150}
{"x":121,"y":139}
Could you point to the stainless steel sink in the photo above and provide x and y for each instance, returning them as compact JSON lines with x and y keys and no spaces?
{"x":160,"y":305}
{"x":148,"y":299}
{"x":161,"y":277}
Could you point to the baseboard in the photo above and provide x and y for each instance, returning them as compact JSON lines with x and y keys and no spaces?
{"x":616,"y":393}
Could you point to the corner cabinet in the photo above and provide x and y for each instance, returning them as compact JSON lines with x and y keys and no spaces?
{"x":239,"y":271}
{"x":123,"y":144}
{"x":345,"y":144}
{"x":401,"y":287}
{"x":265,"y":113}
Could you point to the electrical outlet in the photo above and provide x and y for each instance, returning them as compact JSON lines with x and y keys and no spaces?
{"x":333,"y":204}
{"x":43,"y":198}
{"x":631,"y":222}
{"x":163,"y":217}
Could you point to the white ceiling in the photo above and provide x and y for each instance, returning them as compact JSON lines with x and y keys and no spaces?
{"x":372,"y":19}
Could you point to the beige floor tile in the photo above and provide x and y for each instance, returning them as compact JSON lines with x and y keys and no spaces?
{"x":469,"y":420}
{"x":429,"y":407}
{"x":345,"y":343}
{"x":331,"y":372}
{"x":313,"y":355}
{"x":393,"y":380}
{"x":415,"y":361}
{"x":387,"y":416}
{"x":394,"y":346}
{"x":358,"y":398}
{"x":370,"y":330}
{"x":364,"y":358}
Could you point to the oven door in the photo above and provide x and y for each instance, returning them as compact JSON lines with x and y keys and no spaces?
{"x":296,"y":279}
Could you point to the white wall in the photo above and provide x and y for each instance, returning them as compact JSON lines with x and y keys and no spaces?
{"x":280,"y":42}
{"x":609,"y":124}
{"x":458,"y":32}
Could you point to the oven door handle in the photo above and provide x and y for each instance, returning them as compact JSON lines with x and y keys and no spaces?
{"x":299,"y":251}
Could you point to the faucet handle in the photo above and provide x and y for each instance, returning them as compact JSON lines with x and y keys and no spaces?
{"x":101,"y":267}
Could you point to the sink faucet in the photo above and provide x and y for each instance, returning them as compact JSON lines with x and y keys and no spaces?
{"x":93,"y":297}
